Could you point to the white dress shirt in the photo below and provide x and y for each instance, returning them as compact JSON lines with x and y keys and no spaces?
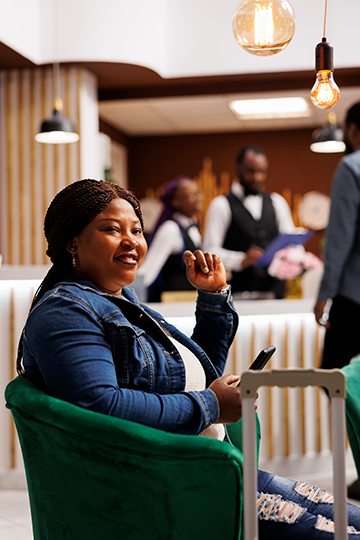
{"x":168,"y":240}
{"x":218,"y":220}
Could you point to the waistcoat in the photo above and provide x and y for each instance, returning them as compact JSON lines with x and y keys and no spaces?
{"x":245,"y":231}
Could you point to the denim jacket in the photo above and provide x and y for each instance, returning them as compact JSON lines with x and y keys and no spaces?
{"x":113,"y":355}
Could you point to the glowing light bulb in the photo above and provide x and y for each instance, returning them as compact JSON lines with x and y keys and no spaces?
{"x":325,"y":93}
{"x":264,"y":27}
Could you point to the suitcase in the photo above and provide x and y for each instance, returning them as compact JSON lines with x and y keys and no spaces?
{"x":334,"y":381}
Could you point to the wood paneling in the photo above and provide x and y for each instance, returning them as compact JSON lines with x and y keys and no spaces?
{"x":156,"y":160}
{"x":31,"y":173}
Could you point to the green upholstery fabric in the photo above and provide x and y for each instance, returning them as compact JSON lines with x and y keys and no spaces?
{"x":95,"y":477}
{"x":352,"y":404}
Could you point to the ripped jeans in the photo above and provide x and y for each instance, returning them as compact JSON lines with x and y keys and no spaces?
{"x":298,"y":510}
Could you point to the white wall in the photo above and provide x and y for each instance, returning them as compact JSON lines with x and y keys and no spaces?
{"x":201,"y":40}
{"x":21,"y":27}
{"x":176,"y":38}
{"x":107,"y":30}
{"x":113,"y":156}
{"x":89,"y":115}
{"x":119,"y":164}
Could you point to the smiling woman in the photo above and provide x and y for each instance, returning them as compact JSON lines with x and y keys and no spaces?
{"x":85,"y":330}
{"x":88,"y":341}
{"x":111,"y":248}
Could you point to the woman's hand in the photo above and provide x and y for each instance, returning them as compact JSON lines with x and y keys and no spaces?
{"x":229,"y":398}
{"x":205,"y":271}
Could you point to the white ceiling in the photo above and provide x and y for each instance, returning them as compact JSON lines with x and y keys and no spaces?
{"x":209,"y":114}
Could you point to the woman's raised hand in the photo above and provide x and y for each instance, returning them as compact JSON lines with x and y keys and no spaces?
{"x":205,"y":271}
{"x":229,"y":398}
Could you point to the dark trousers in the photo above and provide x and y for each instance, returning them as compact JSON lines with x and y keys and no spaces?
{"x":342,"y":339}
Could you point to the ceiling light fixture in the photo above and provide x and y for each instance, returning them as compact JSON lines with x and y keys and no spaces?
{"x":289,"y":107}
{"x":57,"y":129}
{"x":264,"y":27}
{"x":325,"y":93}
{"x":328,"y":139}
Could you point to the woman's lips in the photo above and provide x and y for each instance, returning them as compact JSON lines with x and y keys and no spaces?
{"x":128,"y":258}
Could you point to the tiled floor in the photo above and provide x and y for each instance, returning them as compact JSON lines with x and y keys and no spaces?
{"x":15,"y":521}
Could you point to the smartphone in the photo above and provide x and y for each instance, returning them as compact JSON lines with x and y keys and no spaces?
{"x":262,"y":358}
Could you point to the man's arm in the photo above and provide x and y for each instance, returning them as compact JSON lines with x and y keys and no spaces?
{"x":283,"y":215}
{"x":218,"y":219}
{"x":341,"y":230}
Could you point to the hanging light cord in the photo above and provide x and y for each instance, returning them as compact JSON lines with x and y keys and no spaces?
{"x":56,"y":65}
{"x":325,"y":14}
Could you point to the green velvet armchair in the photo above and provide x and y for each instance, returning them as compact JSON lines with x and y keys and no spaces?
{"x":352,"y":405}
{"x":94,"y":477}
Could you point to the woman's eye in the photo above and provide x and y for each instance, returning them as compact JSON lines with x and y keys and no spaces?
{"x":137,"y":231}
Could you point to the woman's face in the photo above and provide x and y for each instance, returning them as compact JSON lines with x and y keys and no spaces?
{"x":188,"y":198}
{"x":110,"y":248}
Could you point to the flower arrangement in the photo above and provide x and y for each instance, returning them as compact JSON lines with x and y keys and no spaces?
{"x":292,"y":262}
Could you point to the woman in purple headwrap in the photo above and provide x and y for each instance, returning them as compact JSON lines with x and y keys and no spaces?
{"x":175,"y":231}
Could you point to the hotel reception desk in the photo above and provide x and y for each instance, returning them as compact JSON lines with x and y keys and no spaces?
{"x":295,"y":423}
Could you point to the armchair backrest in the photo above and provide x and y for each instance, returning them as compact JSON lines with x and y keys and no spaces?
{"x":92,"y":476}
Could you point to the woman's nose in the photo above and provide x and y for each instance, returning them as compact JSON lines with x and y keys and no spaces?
{"x":129,"y":240}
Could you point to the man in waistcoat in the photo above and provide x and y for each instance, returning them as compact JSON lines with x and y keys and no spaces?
{"x":241,"y":224}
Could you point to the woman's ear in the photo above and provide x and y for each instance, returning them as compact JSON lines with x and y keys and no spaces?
{"x":72,"y":247}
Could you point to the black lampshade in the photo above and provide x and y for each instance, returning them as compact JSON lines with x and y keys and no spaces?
{"x":328,"y":139}
{"x":57,"y":130}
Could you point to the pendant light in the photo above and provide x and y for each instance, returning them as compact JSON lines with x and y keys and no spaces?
{"x":325,"y":93}
{"x":329,"y":138}
{"x":57,"y":129}
{"x":264,"y":27}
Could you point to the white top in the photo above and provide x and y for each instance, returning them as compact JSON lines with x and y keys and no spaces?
{"x":195,"y":381}
{"x":218,"y":219}
{"x":168,"y":240}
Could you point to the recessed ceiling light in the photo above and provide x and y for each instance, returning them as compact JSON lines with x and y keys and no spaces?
{"x":290,"y":107}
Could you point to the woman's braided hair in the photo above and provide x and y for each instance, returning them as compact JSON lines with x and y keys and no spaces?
{"x":69,"y":212}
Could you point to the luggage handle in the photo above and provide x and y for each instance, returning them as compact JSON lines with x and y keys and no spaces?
{"x":334,"y":381}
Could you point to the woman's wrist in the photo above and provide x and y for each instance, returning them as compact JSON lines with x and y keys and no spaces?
{"x":223,"y":290}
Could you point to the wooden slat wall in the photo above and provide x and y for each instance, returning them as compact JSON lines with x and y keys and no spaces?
{"x":31,"y":173}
